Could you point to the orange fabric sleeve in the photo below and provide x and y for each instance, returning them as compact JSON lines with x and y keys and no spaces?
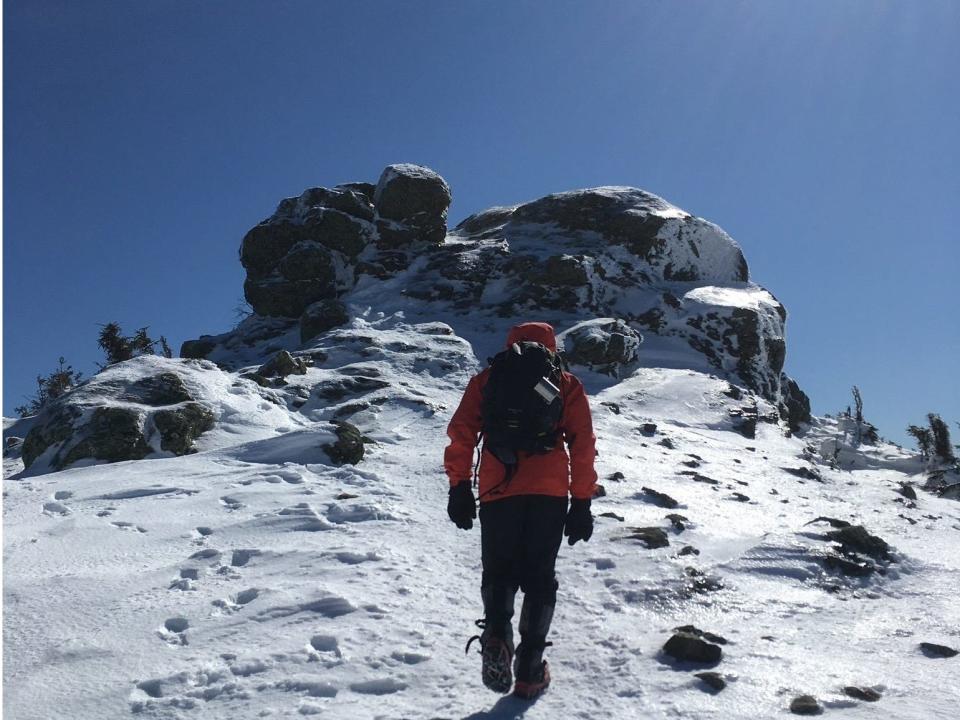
{"x":578,"y":432}
{"x":463,"y":431}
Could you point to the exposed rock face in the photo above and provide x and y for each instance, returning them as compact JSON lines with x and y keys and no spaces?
{"x":623,"y":253}
{"x":114,"y":416}
{"x":583,"y":249}
{"x":310,"y":248}
{"x":179,"y":427}
{"x":112,"y":434}
{"x":320,"y":317}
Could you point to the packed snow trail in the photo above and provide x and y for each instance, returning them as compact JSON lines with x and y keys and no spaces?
{"x":254,"y":579}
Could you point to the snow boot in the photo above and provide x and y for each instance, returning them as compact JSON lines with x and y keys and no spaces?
{"x":532,"y":671}
{"x":496,"y":641}
{"x":496,"y":652}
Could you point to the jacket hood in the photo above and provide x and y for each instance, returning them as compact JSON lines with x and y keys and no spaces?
{"x":535,"y":331}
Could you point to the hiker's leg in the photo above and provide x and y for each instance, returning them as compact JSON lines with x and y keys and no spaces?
{"x":501,"y":524}
{"x":543,"y":532}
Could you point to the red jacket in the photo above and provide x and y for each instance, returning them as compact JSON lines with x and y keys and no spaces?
{"x":554,"y":473}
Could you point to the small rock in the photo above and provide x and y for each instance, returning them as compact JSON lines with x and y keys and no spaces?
{"x":611,"y":515}
{"x":690,"y":463}
{"x":688,"y":647}
{"x":712,"y":680}
{"x":740,"y":497}
{"x":907,"y":491}
{"x":932,"y":650}
{"x":658,"y":498}
{"x":281,"y":365}
{"x":599,"y":491}
{"x":348,"y":449}
{"x":805,"y":473}
{"x":805,"y":705}
{"x":667,"y":443}
{"x":862,"y":693}
{"x":616,"y":477}
{"x":689,"y":550}
{"x":648,"y":428}
{"x":694,"y":630}
{"x":652,"y":537}
{"x":856,"y":538}
{"x":678,"y":521}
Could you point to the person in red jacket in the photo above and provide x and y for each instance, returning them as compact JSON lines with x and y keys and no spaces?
{"x":523,"y":517}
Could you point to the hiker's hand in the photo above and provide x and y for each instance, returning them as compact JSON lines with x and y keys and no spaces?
{"x":579,"y":524}
{"x":461,"y":506}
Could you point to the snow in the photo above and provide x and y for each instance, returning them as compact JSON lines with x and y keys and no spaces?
{"x":748,"y":296}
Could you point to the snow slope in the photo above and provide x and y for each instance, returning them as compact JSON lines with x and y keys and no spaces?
{"x":255,"y":579}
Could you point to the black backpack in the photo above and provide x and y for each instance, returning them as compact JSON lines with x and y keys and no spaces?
{"x":522,"y":402}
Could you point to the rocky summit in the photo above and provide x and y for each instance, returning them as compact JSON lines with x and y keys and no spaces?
{"x":619,"y":254}
{"x":608,"y":265}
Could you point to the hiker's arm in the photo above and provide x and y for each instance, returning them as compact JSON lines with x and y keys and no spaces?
{"x":578,"y":429}
{"x":463,"y":431}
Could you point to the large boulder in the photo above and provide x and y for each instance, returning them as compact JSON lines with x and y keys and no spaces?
{"x":604,"y":345}
{"x":412,"y":203}
{"x":618,"y":252}
{"x":310,"y":249}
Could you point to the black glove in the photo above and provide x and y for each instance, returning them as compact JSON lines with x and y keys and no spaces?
{"x":579,"y":521}
{"x":461,"y":506}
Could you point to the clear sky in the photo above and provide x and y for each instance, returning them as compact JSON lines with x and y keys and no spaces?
{"x":143,"y":139}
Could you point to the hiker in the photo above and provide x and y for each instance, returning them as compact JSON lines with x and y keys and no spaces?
{"x":527,"y":411}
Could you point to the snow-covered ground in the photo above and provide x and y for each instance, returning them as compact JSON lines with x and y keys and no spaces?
{"x":255,"y":579}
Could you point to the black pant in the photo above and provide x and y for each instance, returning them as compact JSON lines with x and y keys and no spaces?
{"x":520,"y":537}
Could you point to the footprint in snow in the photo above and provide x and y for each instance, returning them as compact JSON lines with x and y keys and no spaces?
{"x":243,"y":556}
{"x":205,"y":554}
{"x":55,"y":509}
{"x":409,"y":658}
{"x":331,"y":607}
{"x":236,"y":602}
{"x":121,"y":525}
{"x":62,"y":495}
{"x":187,"y":579}
{"x":174,"y":631}
{"x":354,"y":558}
{"x":325,"y":643}
{"x":231,"y":503}
{"x":381,"y":686}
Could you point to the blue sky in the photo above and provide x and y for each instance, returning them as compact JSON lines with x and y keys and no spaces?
{"x":142,"y":140}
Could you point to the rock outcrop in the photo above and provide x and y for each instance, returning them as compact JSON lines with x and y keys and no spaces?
{"x":127,"y":412}
{"x":314,"y":246}
{"x":616,"y":263}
